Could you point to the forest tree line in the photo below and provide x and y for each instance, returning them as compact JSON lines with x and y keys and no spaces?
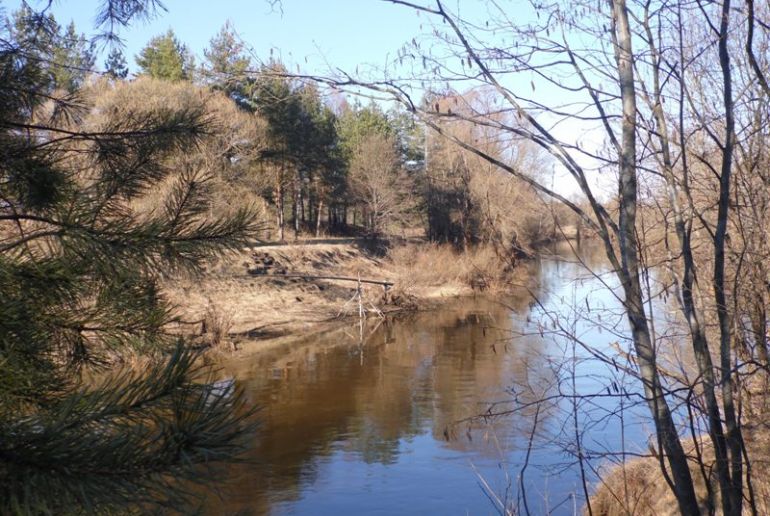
{"x":314,"y":160}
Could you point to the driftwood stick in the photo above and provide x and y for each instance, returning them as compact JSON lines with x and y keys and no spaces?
{"x":340,"y":278}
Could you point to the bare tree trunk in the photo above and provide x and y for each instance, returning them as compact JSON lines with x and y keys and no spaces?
{"x":302,"y":201}
{"x":732,"y":501}
{"x":297,"y":200}
{"x":758,"y":72}
{"x":311,"y":209}
{"x":279,"y":204}
{"x":759,"y":329}
{"x":691,"y":312}
{"x":318,"y":217}
{"x":629,"y":274}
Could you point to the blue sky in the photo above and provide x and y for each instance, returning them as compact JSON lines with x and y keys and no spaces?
{"x":345,"y":33}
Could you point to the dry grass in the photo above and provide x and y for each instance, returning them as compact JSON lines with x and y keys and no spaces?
{"x":638,"y":487}
{"x":238,"y":306}
{"x":217,"y":324}
{"x":419,"y":268}
{"x":271,"y":304}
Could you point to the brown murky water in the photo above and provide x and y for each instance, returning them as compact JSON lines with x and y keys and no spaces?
{"x":379,"y":426}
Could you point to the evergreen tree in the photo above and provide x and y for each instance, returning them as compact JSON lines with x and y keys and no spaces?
{"x":370,"y":147}
{"x":357,"y":123}
{"x":35,"y":32}
{"x":73,"y":59}
{"x":115,"y":65}
{"x":65,"y":59}
{"x":33,"y":36}
{"x":315,"y":143}
{"x":165,"y":57}
{"x":79,"y":269}
{"x":410,"y":135}
{"x":303,"y":139}
{"x":273,"y":97}
{"x":226,"y":64}
{"x":316,"y":152}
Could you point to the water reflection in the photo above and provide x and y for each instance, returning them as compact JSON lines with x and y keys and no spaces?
{"x":372,"y":427}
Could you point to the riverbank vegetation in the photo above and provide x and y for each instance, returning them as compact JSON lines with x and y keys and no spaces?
{"x":133,"y":208}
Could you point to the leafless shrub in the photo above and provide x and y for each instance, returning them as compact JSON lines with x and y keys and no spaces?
{"x":225,"y":156}
{"x":216,"y":326}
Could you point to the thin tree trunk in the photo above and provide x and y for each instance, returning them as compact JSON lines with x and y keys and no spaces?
{"x":733,"y":502}
{"x":759,"y":328}
{"x":692,"y":314}
{"x":297,"y":200}
{"x":318,"y":217}
{"x":311,"y":209}
{"x":302,"y":200}
{"x":629,"y":273}
{"x":279,"y":203}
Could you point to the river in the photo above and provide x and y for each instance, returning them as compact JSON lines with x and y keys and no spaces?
{"x":382,"y":426}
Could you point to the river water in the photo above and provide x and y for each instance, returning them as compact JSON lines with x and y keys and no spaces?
{"x":386,"y":426}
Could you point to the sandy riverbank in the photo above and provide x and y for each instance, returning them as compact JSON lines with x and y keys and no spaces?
{"x":254,"y":298}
